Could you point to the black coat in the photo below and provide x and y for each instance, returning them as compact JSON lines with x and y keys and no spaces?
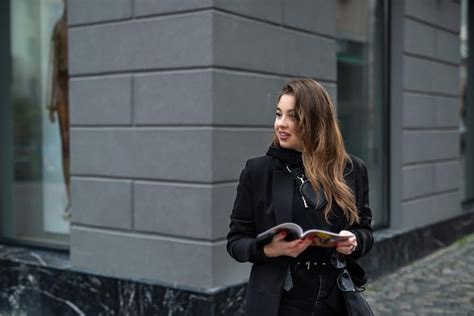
{"x":264,"y":199}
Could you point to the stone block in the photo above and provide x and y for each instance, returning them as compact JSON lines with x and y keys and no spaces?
{"x":447,"y":112}
{"x":174,"y":209}
{"x":418,"y":110}
{"x":429,"y":210}
{"x":447,"y":46}
{"x":430,"y":146}
{"x":255,"y":46}
{"x":102,"y":202}
{"x":188,"y":154}
{"x":148,"y":258}
{"x":318,"y":16}
{"x":163,"y":42}
{"x":153,"y":7}
{"x":269,"y":10}
{"x":419,"y":38}
{"x":104,"y":101}
{"x":92,"y":11}
{"x":447,"y":175}
{"x":176,"y":98}
{"x":418,"y":181}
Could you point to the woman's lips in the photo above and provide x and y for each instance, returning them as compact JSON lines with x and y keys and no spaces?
{"x":283,"y":136}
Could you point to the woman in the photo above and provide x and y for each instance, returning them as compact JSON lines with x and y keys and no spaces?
{"x":294,"y":277}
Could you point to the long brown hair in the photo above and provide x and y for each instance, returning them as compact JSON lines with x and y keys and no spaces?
{"x":324,"y":154}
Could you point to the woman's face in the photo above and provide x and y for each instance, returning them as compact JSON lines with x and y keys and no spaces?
{"x":285,"y":124}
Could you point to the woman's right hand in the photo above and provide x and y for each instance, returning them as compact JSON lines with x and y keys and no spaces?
{"x":280,"y":247}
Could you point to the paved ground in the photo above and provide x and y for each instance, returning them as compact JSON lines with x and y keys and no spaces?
{"x":440,"y":284}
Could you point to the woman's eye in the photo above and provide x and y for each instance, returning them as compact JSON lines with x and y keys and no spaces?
{"x":278,"y":114}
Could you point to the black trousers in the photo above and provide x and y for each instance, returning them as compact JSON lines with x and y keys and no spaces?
{"x":314,"y":292}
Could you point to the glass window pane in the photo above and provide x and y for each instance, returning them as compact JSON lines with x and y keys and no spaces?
{"x":360,"y":92}
{"x":40,"y":188}
{"x":466,"y":122}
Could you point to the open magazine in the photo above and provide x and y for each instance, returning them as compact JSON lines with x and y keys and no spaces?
{"x":321,"y":238}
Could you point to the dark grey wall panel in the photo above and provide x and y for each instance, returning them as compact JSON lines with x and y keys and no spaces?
{"x":232,"y":145}
{"x":419,"y":38}
{"x":101,"y":101}
{"x":447,"y":175}
{"x":269,"y":10}
{"x":447,"y":46}
{"x":103,"y":203}
{"x":192,"y":211}
{"x":257,"y":46}
{"x":431,"y":209}
{"x":196,"y":155}
{"x":418,"y":110}
{"x":445,"y":13}
{"x":205,"y":97}
{"x":197,"y":264}
{"x":431,"y":77}
{"x":156,"y":153}
{"x":223,"y":196}
{"x":173,"y":209}
{"x":447,"y":112}
{"x":418,"y":180}
{"x":89,"y":11}
{"x":152,"y":7}
{"x":142,"y":44}
{"x":317,"y":16}
{"x":425,"y":146}
{"x":244,"y":99}
{"x":173,"y":98}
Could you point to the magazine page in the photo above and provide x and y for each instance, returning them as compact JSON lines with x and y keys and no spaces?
{"x":323,"y":238}
{"x":293,"y":230}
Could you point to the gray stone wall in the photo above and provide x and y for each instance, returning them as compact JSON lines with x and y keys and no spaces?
{"x":431,"y":100}
{"x":168,"y":100}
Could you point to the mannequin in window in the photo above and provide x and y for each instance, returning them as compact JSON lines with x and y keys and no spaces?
{"x":59,"y":105}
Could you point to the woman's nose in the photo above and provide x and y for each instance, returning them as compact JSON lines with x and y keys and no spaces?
{"x":283,"y":121}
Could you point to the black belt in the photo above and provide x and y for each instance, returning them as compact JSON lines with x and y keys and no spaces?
{"x":311,"y":264}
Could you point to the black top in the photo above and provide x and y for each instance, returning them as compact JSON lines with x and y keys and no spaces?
{"x":307,"y":218}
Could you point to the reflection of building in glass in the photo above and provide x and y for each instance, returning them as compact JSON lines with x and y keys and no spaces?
{"x":361,"y":93}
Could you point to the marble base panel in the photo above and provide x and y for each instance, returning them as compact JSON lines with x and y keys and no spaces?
{"x":29,"y":289}
{"x":38,"y":282}
{"x":395,"y":249}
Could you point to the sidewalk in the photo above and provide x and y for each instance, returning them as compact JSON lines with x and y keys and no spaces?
{"x":440,"y":284}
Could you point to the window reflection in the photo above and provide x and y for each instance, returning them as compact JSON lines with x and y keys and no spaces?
{"x":40,"y":190}
{"x":360,"y":92}
{"x":466,"y":120}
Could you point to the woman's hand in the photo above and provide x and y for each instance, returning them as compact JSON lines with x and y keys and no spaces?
{"x":348,"y":246}
{"x":280,"y":247}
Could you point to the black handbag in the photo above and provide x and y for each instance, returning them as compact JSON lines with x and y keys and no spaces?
{"x":356,"y":271}
{"x":350,"y":281}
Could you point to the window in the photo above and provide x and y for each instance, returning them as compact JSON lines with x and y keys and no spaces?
{"x":36,"y":206}
{"x":466,"y":122}
{"x":361,"y":28}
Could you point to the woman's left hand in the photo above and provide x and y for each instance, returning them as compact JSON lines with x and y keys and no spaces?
{"x":348,"y":246}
